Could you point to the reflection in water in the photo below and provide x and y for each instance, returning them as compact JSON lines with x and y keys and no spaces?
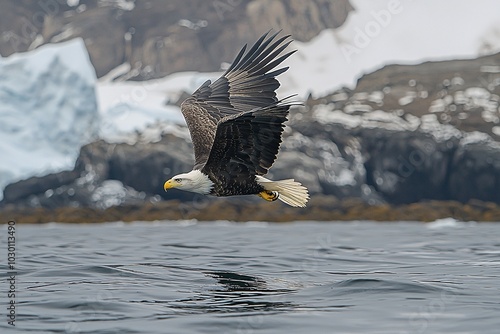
{"x":237,"y":293}
{"x":238,"y":282}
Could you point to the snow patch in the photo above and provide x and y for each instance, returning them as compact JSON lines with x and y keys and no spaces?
{"x":192,"y":25}
{"x":475,"y":137}
{"x":373,"y":119}
{"x":490,"y":69}
{"x":445,"y":223}
{"x":477,"y":93}
{"x":438,"y":105}
{"x":376,"y":97}
{"x":323,"y":114}
{"x":407,"y":99}
{"x":112,"y":193}
{"x":130,"y":107}
{"x":496,"y":130}
{"x":127,"y":5}
{"x":441,"y":132}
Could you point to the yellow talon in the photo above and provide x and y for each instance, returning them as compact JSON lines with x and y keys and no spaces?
{"x":269,"y":195}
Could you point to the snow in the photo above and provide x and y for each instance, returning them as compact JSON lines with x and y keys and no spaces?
{"x":489,"y":69}
{"x":445,"y":223}
{"x":475,"y":137}
{"x":371,"y":119}
{"x":441,"y":132}
{"x":429,"y":123}
{"x":127,"y":5}
{"x":376,"y":97}
{"x":192,"y":25}
{"x":112,"y":193}
{"x":438,"y":105}
{"x":407,"y":99}
{"x":127,"y":106}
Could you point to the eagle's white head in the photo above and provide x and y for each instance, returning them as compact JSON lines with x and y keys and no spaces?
{"x":194,"y":181}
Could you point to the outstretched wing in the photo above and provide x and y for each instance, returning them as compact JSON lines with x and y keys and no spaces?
{"x":246,"y":144}
{"x":247,"y":84}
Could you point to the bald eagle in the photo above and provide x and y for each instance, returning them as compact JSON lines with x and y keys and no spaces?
{"x":236,"y":125}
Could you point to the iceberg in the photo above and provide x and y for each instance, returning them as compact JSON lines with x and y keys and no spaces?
{"x":48,"y":110}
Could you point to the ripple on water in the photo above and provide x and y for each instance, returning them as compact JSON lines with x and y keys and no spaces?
{"x":294,"y":278}
{"x":375,"y":286}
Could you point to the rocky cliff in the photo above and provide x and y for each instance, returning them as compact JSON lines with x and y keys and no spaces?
{"x":399,"y":137}
{"x":159,"y":37}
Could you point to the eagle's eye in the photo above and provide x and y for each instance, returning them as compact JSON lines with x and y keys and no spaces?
{"x":178,"y":180}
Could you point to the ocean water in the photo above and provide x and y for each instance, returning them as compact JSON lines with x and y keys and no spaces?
{"x":220,"y":277}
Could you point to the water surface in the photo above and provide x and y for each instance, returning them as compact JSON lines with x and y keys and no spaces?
{"x":308,"y":277}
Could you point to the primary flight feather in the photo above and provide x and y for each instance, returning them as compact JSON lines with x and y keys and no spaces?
{"x":236,"y":125}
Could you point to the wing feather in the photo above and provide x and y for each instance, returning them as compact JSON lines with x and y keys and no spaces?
{"x":247,"y":84}
{"x":247,"y":143}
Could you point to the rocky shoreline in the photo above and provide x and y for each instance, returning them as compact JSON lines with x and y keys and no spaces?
{"x":410,"y":142}
{"x":320,"y":208}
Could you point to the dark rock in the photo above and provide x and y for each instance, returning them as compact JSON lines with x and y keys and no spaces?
{"x":475,"y":173}
{"x":145,"y":167}
{"x":406,"y":167}
{"x":139,"y":171}
{"x":326,"y":158}
{"x":37,"y":185}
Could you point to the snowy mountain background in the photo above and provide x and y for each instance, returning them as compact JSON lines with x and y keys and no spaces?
{"x":53,"y":104}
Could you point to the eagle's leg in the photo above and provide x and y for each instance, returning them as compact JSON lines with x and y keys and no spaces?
{"x":269,"y":195}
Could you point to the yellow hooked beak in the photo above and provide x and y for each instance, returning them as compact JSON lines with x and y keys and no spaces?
{"x":170,"y":184}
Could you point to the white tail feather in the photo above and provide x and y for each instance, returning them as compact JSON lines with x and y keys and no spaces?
{"x":290,"y":192}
